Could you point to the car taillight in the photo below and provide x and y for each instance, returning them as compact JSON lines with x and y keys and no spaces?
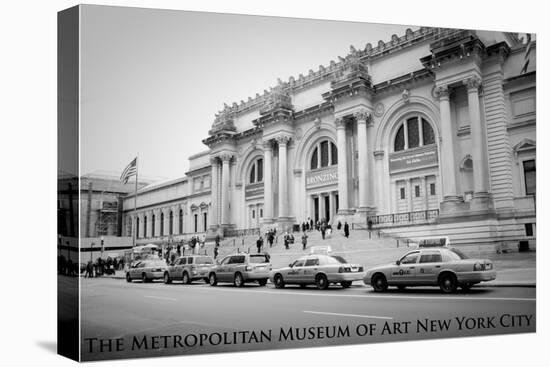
{"x":488,"y":266}
{"x":341,"y":269}
{"x":479,"y":267}
{"x":360,"y":269}
{"x":158,"y":269}
{"x":248,"y":268}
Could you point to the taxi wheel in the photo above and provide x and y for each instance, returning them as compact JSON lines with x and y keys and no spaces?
{"x":447,"y":283}
{"x":128,"y":278}
{"x":167,"y":279}
{"x":321,"y":281}
{"x":206,"y":280}
{"x":346,"y":284}
{"x":185,"y":278}
{"x":262,"y":282}
{"x":379,"y":283}
{"x":212,"y":280}
{"x":238,"y":280}
{"x":279,"y":282}
{"x":466,"y":286}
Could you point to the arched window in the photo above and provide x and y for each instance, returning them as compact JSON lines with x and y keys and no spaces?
{"x":153,"y":225}
{"x":137,"y":227}
{"x":145,"y":227}
{"x":256,"y":171}
{"x":162,"y":224}
{"x":180,"y":218}
{"x":413,"y":133}
{"x":171,"y":224}
{"x":325,"y":154}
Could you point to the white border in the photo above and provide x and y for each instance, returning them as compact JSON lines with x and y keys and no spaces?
{"x":28,"y":116}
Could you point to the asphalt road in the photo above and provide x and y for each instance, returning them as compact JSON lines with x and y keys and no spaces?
{"x":155,"y":319}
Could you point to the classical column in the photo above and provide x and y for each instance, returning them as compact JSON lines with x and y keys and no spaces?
{"x":214,"y":217}
{"x":411,"y":193}
{"x":342,"y":166}
{"x":268,"y":178}
{"x":283,"y":176}
{"x":225,"y":188}
{"x":447,"y":146}
{"x":424,"y":186}
{"x":166,"y":223}
{"x":361,"y":117}
{"x":479,"y":152}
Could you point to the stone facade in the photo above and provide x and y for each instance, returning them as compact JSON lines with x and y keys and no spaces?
{"x":437,"y":126}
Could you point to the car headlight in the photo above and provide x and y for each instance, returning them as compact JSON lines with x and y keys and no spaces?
{"x":479,"y":267}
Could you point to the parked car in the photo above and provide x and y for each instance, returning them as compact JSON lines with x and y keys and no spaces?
{"x":445,"y":267}
{"x":318,"y":269}
{"x":146,"y":270}
{"x":241,"y":268}
{"x":189,"y":268}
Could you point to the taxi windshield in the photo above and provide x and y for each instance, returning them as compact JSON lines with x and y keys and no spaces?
{"x":157,"y":263}
{"x":258,"y":259}
{"x":340,"y":259}
{"x":458,"y":253}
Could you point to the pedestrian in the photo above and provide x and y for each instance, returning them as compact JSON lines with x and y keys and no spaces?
{"x":89,"y":270}
{"x":323,"y":230}
{"x":339,"y":226}
{"x":304,"y":241}
{"x":303,"y":226}
{"x":259,"y":243}
{"x":346,"y":230}
{"x":286,"y":241}
{"x":311,"y":224}
{"x":216,"y":252}
{"x":270,"y":238}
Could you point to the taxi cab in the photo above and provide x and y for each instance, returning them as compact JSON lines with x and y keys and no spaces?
{"x":445,"y":267}
{"x":146,"y":270}
{"x":317,"y":269}
{"x":189,"y":268}
{"x":241,"y":268}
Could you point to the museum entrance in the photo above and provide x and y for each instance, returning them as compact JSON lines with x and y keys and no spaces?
{"x":325,"y":206}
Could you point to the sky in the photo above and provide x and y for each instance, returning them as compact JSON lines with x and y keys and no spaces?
{"x":152,"y":80}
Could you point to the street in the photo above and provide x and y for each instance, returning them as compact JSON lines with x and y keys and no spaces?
{"x":254,"y":318}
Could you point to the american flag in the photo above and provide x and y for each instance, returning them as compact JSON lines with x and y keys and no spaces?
{"x":129,"y":171}
{"x":527,"y":40}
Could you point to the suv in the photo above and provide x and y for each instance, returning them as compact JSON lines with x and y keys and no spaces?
{"x":189,"y":268}
{"x":240,"y":269}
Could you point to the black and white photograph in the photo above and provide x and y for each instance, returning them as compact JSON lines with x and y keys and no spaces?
{"x":310,"y":187}
{"x":384,"y":194}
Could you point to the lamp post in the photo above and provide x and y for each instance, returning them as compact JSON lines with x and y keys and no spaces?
{"x":102,"y":244}
{"x":92,"y":251}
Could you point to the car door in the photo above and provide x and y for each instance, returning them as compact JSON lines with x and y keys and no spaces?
{"x":311,"y":267}
{"x":222,"y":270}
{"x":134,"y":270}
{"x":405,"y":271}
{"x":237,"y":263}
{"x":429,"y":267}
{"x":177,"y":270}
{"x":296,"y":272}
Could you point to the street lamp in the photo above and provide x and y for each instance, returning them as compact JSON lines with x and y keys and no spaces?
{"x":92,"y":251}
{"x":102,"y":244}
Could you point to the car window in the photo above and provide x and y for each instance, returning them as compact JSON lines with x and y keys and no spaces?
{"x":258,"y":259}
{"x":312,"y":262}
{"x":226,"y":260}
{"x":183,"y":261}
{"x":204,"y":260}
{"x":190,"y":260}
{"x":236,"y":260}
{"x":410,"y":258}
{"x":430,"y":258}
{"x":340,"y":259}
{"x":298,"y":263}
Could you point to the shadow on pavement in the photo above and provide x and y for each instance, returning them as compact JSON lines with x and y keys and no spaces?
{"x":49,"y":345}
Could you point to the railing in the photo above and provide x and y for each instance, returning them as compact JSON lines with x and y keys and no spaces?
{"x":402,"y":218}
{"x":241,"y":232}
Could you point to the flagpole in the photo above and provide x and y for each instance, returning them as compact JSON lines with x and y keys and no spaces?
{"x":135,"y":203}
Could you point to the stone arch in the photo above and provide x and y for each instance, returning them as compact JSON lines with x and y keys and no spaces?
{"x":308,"y":142}
{"x":387,"y":129}
{"x":252,"y":153}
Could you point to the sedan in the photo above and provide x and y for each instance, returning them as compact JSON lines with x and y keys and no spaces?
{"x":445,"y":267}
{"x":146,"y":270}
{"x":321,"y":270}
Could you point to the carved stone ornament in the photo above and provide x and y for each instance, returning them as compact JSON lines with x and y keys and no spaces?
{"x":298,"y":133}
{"x":362,"y":115}
{"x":442,"y":92}
{"x":406,"y":95}
{"x":472,"y":84}
{"x":340,"y":123}
{"x":226,"y":157}
{"x":214,"y":161}
{"x":283,"y":139}
{"x":267,"y":144}
{"x":317,"y":123}
{"x":379,"y":109}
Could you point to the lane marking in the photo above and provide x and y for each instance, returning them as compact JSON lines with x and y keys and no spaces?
{"x":439,"y":298}
{"x":162,"y":298}
{"x":348,"y":315}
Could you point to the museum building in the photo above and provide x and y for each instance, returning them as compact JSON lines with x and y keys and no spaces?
{"x":433,"y":132}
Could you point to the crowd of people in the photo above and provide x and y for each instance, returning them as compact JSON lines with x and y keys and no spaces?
{"x":103,"y":267}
